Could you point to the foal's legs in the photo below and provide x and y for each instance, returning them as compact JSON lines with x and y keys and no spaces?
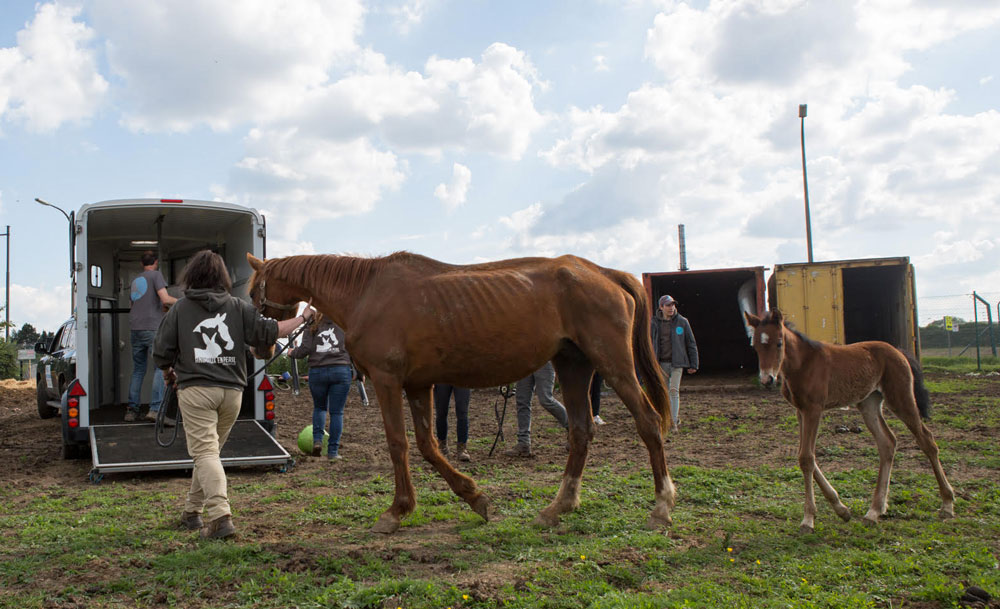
{"x":903,"y":404}
{"x":574,"y":379}
{"x":390,"y":401}
{"x":462,"y":485}
{"x":871,"y":411}
{"x":808,"y":428}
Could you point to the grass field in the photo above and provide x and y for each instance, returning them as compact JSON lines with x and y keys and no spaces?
{"x":305,"y":540}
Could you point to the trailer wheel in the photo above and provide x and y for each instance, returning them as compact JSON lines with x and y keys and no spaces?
{"x":42,"y":394}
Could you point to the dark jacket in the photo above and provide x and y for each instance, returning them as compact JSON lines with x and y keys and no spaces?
{"x":323,"y":345}
{"x":205,"y":335}
{"x":685,"y":348}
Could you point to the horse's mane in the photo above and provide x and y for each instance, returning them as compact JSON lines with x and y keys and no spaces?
{"x":768,"y":318}
{"x":348,"y":272}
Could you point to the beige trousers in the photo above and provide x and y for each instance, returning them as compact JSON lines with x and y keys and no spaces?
{"x":673,"y":390}
{"x":209,"y":414}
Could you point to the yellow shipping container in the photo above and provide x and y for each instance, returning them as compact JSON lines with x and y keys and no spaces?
{"x":849,"y":301}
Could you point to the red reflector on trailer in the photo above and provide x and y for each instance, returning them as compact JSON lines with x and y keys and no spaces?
{"x":72,"y":403}
{"x":265,"y":385}
{"x":269,"y":415}
{"x":269,"y":396}
{"x":171,"y":200}
{"x":76,"y":389}
{"x":74,"y":423}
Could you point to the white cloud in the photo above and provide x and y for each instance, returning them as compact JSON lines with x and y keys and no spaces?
{"x":45,"y":308}
{"x":221,"y":63}
{"x":453,"y":195}
{"x":298,"y":178}
{"x":51,"y":76}
{"x":409,"y":14}
{"x":601,"y":64}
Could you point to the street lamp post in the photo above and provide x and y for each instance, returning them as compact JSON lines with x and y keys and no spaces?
{"x":805,"y":182}
{"x":72,"y":261}
{"x":6,"y":307}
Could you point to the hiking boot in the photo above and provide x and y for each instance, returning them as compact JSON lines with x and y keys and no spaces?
{"x":463,"y":454}
{"x":598,"y":420}
{"x":191,"y":521}
{"x":443,"y":448}
{"x":220,"y":528}
{"x":334,"y":458}
{"x":317,"y":450}
{"x":519,"y":450}
{"x":131,"y":415}
{"x":167,"y":421}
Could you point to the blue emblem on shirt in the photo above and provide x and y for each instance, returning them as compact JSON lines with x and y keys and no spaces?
{"x":139,"y":287}
{"x":679,"y":330}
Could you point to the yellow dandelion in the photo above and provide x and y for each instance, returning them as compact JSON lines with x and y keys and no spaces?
{"x":804,"y":580}
{"x":729,"y":549}
{"x":465,"y":597}
{"x":583,"y":557}
{"x":732,"y":560}
{"x":758,"y":561}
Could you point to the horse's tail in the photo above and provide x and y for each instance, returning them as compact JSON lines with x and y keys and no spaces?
{"x":642,"y":350}
{"x":920,"y":392}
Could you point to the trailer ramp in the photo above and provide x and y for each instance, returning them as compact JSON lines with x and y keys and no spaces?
{"x":132,"y":447}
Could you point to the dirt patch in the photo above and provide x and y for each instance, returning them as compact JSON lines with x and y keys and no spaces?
{"x":725,"y":422}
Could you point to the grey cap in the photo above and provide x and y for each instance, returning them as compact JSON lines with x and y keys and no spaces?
{"x":667,"y":299}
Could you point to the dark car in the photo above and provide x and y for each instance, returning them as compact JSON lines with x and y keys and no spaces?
{"x":56,"y":369}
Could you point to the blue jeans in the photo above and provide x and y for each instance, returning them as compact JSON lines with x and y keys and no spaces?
{"x":442,"y":395}
{"x":142,"y":345}
{"x":329,"y":386}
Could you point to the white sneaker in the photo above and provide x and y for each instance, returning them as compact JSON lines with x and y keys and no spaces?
{"x":598,"y":420}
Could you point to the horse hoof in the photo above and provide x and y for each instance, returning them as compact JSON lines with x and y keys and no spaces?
{"x":805,"y":529}
{"x":945,"y":514}
{"x":844,"y":512}
{"x":657,"y":523}
{"x":386,"y":525}
{"x":869,"y":521}
{"x":545,"y":520}
{"x":482,"y":507}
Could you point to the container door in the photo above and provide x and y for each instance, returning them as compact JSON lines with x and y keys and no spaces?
{"x":810,"y":297}
{"x":910,"y":319}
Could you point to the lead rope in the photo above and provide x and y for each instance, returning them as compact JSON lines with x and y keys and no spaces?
{"x":169,"y":396}
{"x":506,"y":391}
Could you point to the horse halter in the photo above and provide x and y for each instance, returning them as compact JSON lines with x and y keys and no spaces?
{"x":264,"y":302}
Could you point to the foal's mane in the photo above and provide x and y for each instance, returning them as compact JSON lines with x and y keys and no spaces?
{"x":768,"y":318}
{"x":349,"y":273}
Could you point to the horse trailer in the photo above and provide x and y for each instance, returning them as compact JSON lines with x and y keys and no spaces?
{"x":107,"y":241}
{"x":848,"y":301}
{"x":714,"y":301}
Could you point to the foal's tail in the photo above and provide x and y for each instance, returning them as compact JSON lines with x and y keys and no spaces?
{"x":920,"y":392}
{"x":642,"y":350}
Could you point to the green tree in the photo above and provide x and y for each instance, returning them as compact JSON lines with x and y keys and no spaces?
{"x":26,"y":337}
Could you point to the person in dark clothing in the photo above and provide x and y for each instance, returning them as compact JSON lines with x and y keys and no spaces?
{"x":201,"y":347}
{"x":595,"y":397}
{"x":330,"y":373}
{"x":675,"y":349}
{"x":442,"y":395}
{"x":148,"y":293}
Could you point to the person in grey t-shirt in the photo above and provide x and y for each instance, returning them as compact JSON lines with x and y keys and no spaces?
{"x":149,"y":296}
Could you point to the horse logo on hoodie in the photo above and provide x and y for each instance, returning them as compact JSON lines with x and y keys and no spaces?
{"x":212,"y":329}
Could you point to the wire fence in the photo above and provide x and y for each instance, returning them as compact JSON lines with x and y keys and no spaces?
{"x":974,"y":328}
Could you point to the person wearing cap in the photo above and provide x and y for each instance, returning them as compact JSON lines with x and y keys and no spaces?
{"x":541,"y":382}
{"x":675,"y":349}
{"x":148,"y":293}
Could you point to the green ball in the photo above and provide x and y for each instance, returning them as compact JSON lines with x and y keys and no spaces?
{"x":306,"y":440}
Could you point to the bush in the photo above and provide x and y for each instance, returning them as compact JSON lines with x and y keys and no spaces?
{"x":9,"y":367}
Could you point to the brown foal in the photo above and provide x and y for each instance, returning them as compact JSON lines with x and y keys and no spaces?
{"x":817,"y":376}
{"x":411,"y":322}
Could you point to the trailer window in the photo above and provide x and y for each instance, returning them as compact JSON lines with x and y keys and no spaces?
{"x":96,"y":276}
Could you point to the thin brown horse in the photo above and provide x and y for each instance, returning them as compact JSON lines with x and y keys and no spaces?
{"x":818,"y":376}
{"x":411,"y":322}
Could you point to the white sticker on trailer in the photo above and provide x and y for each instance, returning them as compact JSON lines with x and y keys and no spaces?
{"x":48,"y":375}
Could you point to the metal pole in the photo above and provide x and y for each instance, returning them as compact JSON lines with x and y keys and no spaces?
{"x":681,"y":243}
{"x":805,"y":182}
{"x":6,"y":308}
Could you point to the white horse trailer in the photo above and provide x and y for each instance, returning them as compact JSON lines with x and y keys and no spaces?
{"x":108,"y":240}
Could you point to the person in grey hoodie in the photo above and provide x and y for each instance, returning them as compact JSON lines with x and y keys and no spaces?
{"x":201,"y":347}
{"x":676,"y":350}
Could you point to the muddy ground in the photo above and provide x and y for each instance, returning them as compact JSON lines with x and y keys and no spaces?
{"x":714,"y":409}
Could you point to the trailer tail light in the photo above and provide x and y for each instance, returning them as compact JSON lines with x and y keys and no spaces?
{"x":268,"y":389}
{"x":76,"y":391}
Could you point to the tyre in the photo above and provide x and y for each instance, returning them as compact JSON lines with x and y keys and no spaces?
{"x":42,"y":397}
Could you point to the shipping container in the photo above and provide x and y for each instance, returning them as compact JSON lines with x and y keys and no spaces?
{"x":713,"y":301}
{"x":849,"y":301}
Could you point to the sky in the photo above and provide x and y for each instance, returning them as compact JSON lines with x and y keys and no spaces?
{"x":476,"y":130}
